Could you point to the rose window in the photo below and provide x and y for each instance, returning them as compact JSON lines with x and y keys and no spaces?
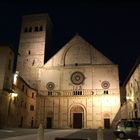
{"x":50,"y":85}
{"x":77,"y":78}
{"x":105,"y":84}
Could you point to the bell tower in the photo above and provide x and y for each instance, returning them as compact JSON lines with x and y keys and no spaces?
{"x":35,"y":39}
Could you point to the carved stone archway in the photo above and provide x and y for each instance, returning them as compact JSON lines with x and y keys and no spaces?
{"x":77,"y":116}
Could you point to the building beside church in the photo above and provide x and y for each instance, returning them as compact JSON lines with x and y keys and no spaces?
{"x":131,"y":107}
{"x":78,"y":87}
{"x":6,"y":73}
{"x":17,"y":98}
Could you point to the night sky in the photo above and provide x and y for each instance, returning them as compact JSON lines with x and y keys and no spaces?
{"x":111,"y":27}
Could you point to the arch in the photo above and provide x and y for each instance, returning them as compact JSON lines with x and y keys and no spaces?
{"x":77,"y":109}
{"x":64,"y":55}
{"x":73,"y":47}
{"x":106,"y":115}
{"x":50,"y":114}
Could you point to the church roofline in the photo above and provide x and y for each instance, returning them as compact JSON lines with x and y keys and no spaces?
{"x":132,"y":71}
{"x":35,"y":15}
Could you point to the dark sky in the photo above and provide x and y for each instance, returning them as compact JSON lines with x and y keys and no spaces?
{"x":112,"y":27}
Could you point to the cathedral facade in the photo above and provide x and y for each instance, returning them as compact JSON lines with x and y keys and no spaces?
{"x":78,"y":87}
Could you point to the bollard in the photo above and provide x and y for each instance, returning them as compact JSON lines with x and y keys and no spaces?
{"x":40,"y":133}
{"x":100,"y":134}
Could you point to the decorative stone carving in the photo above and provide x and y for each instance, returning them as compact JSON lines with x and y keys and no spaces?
{"x":50,"y":85}
{"x":77,"y":78}
{"x":105,"y":84}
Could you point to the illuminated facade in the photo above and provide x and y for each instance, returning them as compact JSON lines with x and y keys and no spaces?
{"x":78,"y":87}
{"x":132,"y":88}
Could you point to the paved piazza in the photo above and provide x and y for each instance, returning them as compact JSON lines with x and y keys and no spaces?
{"x":51,"y":134}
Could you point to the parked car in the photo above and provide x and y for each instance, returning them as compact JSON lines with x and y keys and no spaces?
{"x":127,"y":129}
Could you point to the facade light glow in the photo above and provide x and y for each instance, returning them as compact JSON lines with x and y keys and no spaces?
{"x":14,"y":95}
{"x":15,"y":78}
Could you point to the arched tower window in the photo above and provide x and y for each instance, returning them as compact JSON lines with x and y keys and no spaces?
{"x":25,"y":29}
{"x":30,"y":29}
{"x":41,"y":28}
{"x":36,"y":29}
{"x":33,"y":62}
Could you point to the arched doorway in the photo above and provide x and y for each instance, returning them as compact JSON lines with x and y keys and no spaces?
{"x":77,"y":116}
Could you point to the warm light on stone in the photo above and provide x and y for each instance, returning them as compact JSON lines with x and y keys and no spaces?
{"x":15,"y":78}
{"x":78,"y":87}
{"x":14,"y":95}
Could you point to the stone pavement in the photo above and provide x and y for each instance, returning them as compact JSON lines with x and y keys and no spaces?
{"x":51,"y":134}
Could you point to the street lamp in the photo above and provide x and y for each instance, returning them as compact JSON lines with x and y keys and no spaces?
{"x":13,"y":95}
{"x":15,"y":78}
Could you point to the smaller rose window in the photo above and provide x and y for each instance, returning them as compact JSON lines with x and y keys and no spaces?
{"x":105,"y":84}
{"x":50,"y":85}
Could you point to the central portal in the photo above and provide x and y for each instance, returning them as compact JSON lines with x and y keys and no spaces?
{"x":77,"y":120}
{"x":77,"y":117}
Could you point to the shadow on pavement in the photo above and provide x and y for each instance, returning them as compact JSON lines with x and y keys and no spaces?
{"x":83,"y":134}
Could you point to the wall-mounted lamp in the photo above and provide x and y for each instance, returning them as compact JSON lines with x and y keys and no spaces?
{"x":14,"y":95}
{"x":15,"y":78}
{"x":131,"y":98}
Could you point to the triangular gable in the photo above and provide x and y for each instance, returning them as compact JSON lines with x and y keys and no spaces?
{"x":77,"y":52}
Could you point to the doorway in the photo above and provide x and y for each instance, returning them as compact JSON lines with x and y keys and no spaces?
{"x":77,"y":120}
{"x":21,"y":121}
{"x":49,"y":122}
{"x":107,"y":123}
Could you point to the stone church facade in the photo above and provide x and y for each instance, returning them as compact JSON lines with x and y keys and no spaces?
{"x":78,"y":87}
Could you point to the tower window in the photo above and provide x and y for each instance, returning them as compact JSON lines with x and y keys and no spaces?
{"x":31,"y":107}
{"x":30,"y":29}
{"x":29,"y":52}
{"x":33,"y":62}
{"x":32,"y":95}
{"x":25,"y":29}
{"x":41,"y":28}
{"x":36,"y":29}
